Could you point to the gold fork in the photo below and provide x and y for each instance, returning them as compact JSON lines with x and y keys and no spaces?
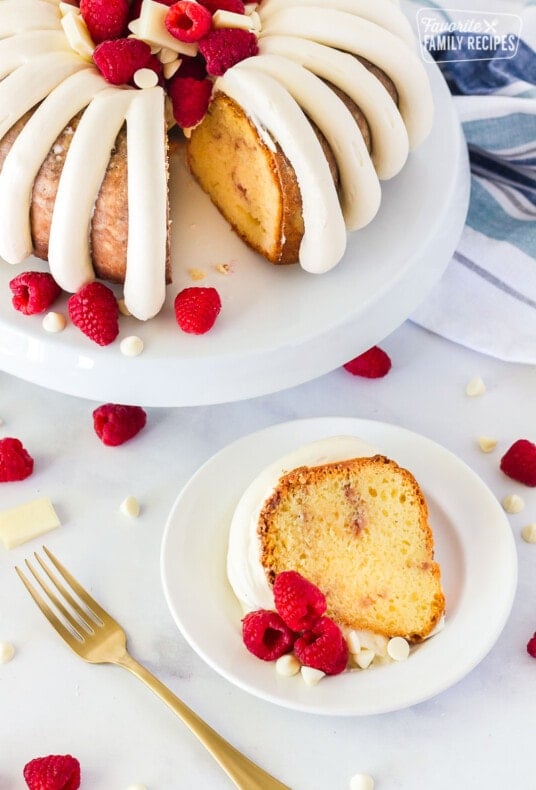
{"x":94,"y":636}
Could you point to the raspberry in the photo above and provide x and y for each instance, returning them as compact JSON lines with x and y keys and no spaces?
{"x":15,"y":462}
{"x":236,"y":6}
{"x":105,"y":19}
{"x":372,"y":364}
{"x":298,"y":601}
{"x":187,"y":21}
{"x":323,"y":647}
{"x":93,"y":309}
{"x":119,"y":60}
{"x":190,"y":98}
{"x":54,"y":772}
{"x":519,"y":462}
{"x":33,"y":292}
{"x":226,"y":46}
{"x":531,"y":646}
{"x":114,"y":424}
{"x":196,"y":309}
{"x":192,"y":67}
{"x":266,"y":635}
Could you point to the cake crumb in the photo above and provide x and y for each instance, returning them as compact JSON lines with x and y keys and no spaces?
{"x":513,"y":503}
{"x":7,"y":651}
{"x":487,"y":443}
{"x":475,"y":387}
{"x":223,"y":268}
{"x":197,"y":274}
{"x":528,"y":533}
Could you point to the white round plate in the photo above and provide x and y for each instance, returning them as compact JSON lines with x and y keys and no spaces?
{"x":474,"y":546}
{"x":279,"y":326}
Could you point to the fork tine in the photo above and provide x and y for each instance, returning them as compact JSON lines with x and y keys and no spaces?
{"x":90,"y":602}
{"x":73,"y":638}
{"x":79,"y":622}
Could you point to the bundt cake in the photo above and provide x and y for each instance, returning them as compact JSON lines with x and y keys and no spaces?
{"x":358,"y":529}
{"x":290,"y":140}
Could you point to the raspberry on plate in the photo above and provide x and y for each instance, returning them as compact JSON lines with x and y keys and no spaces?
{"x":196,"y":309}
{"x":115,"y":424}
{"x":187,"y":21}
{"x":519,"y":462}
{"x":299,"y":602}
{"x":531,"y":646}
{"x":93,"y":309}
{"x":323,"y":647}
{"x":371,"y":364}
{"x":54,"y":772}
{"x":224,"y":47}
{"x":15,"y":462}
{"x":189,"y":98}
{"x":34,"y":292}
{"x":266,"y":635}
{"x":105,"y":19}
{"x":120,"y":59}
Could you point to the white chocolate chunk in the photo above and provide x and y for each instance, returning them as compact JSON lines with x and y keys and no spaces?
{"x":287,"y":665}
{"x":222,"y":18}
{"x":311,"y":676}
{"x":364,"y":658}
{"x":145,"y":78}
{"x":513,"y":503}
{"x":475,"y":387}
{"x":7,"y":651}
{"x":130,"y":507}
{"x":398,"y":648}
{"x":166,"y":55}
{"x":375,"y":642}
{"x":528,"y":533}
{"x":486,"y":443}
{"x":78,"y":35}
{"x":54,"y":322}
{"x":169,"y":69}
{"x":137,"y":786}
{"x":361,"y":782}
{"x":24,"y":522}
{"x":67,"y":8}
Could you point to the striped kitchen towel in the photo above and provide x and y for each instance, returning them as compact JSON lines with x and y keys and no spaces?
{"x":486,"y":299}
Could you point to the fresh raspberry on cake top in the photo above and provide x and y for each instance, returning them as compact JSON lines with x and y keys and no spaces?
{"x":105,"y":19}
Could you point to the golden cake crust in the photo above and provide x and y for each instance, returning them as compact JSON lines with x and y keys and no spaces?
{"x":359,"y":530}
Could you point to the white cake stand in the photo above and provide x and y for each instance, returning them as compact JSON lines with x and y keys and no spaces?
{"x":279,"y":326}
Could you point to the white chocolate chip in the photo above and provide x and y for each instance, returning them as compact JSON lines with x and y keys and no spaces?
{"x":364,"y":658}
{"x":54,"y":322}
{"x":513,"y":503}
{"x":487,"y":444}
{"x":167,"y":55}
{"x":375,"y":642}
{"x":137,"y":786}
{"x":287,"y":665}
{"x":7,"y":651}
{"x":475,"y":387}
{"x":145,"y":78}
{"x":130,"y":507}
{"x":311,"y":676}
{"x":361,"y":782}
{"x":131,"y":346}
{"x":528,"y":533}
{"x":398,"y":648}
{"x":353,"y":641}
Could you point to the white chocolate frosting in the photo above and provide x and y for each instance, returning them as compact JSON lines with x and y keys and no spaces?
{"x":244,"y":570}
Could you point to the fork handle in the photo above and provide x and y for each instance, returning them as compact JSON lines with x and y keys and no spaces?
{"x":245,"y":774}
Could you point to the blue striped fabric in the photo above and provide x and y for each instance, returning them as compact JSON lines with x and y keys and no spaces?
{"x":487,"y":298}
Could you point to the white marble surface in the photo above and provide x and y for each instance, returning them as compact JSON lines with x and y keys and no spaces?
{"x":478,"y":734}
